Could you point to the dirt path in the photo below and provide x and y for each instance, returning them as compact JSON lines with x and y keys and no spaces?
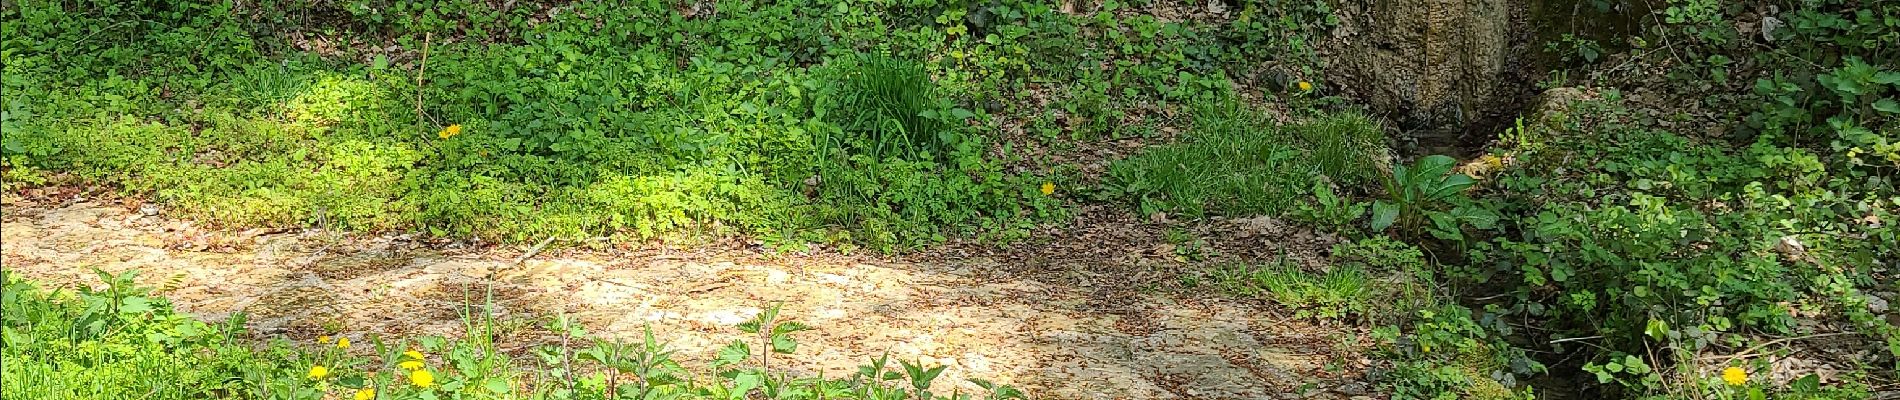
{"x":1054,"y":341}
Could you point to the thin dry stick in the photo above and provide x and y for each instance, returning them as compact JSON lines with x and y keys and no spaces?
{"x":426,"y":38}
{"x":1751,"y":350}
{"x":1575,"y":339}
{"x":532,"y":251}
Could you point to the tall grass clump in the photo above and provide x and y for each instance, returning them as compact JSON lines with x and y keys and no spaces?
{"x":1347,"y":147}
{"x":1236,"y":161}
{"x":887,"y":107}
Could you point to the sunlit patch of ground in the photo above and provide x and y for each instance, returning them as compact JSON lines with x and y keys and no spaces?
{"x":1053,"y":339}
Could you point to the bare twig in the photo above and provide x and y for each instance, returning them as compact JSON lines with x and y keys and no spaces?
{"x":426,"y":38}
{"x":1575,"y":339}
{"x":532,"y":251}
{"x":1493,"y":297}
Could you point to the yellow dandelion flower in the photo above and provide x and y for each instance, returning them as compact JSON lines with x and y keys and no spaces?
{"x":318,"y":372}
{"x":1306,"y":86}
{"x":1048,"y":188}
{"x":450,"y":131}
{"x":343,"y":343}
{"x":422,"y":378}
{"x":414,"y":355}
{"x":325,"y":339}
{"x":1734,"y":376}
{"x":411,"y":365}
{"x":366,"y":394}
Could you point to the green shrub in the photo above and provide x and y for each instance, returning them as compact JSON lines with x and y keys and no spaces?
{"x":1428,"y":197}
{"x":1649,"y":239}
{"x":102,"y":344}
{"x":1449,"y":354}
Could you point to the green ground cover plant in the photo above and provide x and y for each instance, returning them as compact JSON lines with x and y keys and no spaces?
{"x":546,"y":130}
{"x":1670,"y":250}
{"x":1724,"y":190}
{"x":105,"y":344}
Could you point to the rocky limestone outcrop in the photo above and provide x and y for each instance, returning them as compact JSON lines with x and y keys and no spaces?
{"x":1426,"y":63}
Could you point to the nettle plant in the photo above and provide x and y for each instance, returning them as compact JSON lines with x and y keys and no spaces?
{"x":1427,"y":198}
{"x":874,"y":381}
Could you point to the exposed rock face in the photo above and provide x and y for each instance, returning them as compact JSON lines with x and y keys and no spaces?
{"x":1551,"y":108}
{"x":1428,"y":63}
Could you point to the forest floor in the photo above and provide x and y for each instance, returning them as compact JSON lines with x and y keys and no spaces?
{"x":1094,"y":311}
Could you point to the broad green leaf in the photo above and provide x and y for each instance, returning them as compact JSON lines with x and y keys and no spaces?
{"x":497,"y":385}
{"x":1559,"y":273}
{"x":1656,"y":329}
{"x":1383,"y":215}
{"x":789,"y":327}
{"x":784,"y":344}
{"x":1887,"y":78}
{"x":921,"y":380}
{"x":1433,"y":166}
{"x":1443,"y":221}
{"x":743,"y":384}
{"x":1446,"y":234}
{"x":1887,"y":105}
{"x":135,"y":305}
{"x":1475,"y":217}
{"x":733,"y":353}
{"x":1451,"y":185}
{"x":1635,"y":365}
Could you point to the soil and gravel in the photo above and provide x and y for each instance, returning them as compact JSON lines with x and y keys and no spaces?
{"x":1084,"y":312}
